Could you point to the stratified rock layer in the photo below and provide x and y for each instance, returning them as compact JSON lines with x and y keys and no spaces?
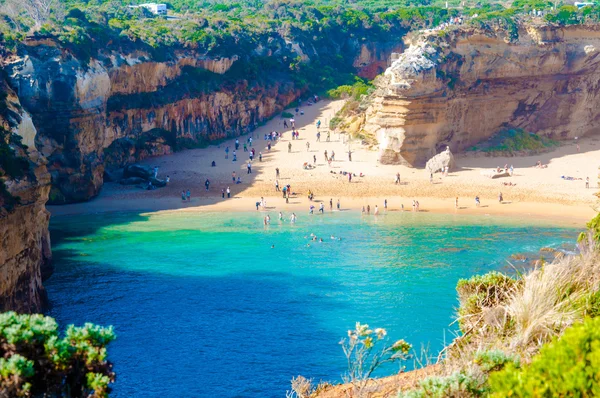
{"x":24,"y":239}
{"x":459,"y":88}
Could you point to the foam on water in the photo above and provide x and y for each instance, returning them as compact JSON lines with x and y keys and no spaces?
{"x":203,"y":306}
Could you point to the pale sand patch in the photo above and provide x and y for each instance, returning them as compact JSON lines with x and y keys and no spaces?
{"x":539,"y":193}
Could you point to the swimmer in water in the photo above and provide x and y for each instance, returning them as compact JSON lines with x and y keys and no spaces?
{"x":280,"y":216}
{"x":272,"y":246}
{"x":293,"y":218}
{"x":321,"y":240}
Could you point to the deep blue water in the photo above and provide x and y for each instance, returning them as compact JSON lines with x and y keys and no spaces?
{"x":203,"y":306}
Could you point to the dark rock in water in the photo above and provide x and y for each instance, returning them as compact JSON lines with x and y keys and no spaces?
{"x":158,"y":183}
{"x":135,"y":170}
{"x":132,"y":181}
{"x":113,"y":175}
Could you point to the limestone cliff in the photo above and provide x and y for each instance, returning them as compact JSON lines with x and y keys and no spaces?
{"x":24,"y":186}
{"x":456,"y":88}
{"x":122,"y":105}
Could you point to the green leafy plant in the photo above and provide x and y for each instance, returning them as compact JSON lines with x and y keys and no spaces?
{"x":36,"y":361}
{"x":568,"y":366}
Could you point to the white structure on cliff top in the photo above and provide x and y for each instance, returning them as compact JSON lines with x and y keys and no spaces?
{"x":154,"y":8}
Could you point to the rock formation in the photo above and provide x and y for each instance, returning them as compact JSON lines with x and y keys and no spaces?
{"x":24,"y":186}
{"x":462,"y":86}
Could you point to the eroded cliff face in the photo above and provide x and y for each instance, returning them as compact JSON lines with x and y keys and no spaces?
{"x":98,"y":114}
{"x":24,"y":239}
{"x":461,"y":87}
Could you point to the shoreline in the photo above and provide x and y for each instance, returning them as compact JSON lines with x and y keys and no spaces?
{"x":551,"y":213}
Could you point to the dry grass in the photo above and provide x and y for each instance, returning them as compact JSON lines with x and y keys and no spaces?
{"x":529,"y":313}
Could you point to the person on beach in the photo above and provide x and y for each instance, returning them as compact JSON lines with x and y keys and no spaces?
{"x":315,"y":160}
{"x":237,"y":144}
{"x":290,"y":147}
{"x":257,"y":205}
{"x":477,"y":202}
{"x":250,"y":141}
{"x":207,"y":184}
{"x":385,"y":204}
{"x":233,"y":177}
{"x":330,"y":204}
{"x":325,"y":155}
{"x":234,"y":157}
{"x":249,"y":166}
{"x":227,"y":153}
{"x":349,"y":177}
{"x":318,"y":124}
{"x":349,"y":156}
{"x":245,"y":147}
{"x":500,"y":198}
{"x":397,"y":178}
{"x":338,"y":205}
{"x":376,"y":212}
{"x":183,"y":196}
{"x":222,"y":194}
{"x":332,"y":156}
{"x":167,"y":180}
{"x":276,"y":185}
{"x":431,"y":178}
{"x":269,"y":146}
{"x":587,"y":182}
{"x":285,"y":125}
{"x":155,"y":171}
{"x":311,"y":209}
{"x":368,"y":209}
{"x":328,"y":139}
{"x":251,"y":156}
{"x":322,"y":208}
{"x":260,"y":156}
{"x":456,"y":203}
{"x":293,"y":123}
{"x":293,"y":218}
{"x":228,"y":193}
{"x":239,"y":180}
{"x":188,"y":195}
{"x":307,"y":146}
{"x":414,"y":205}
{"x":318,"y":136}
{"x":280,"y":216}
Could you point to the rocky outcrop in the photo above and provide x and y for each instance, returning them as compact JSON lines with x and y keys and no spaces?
{"x":460,"y":87}
{"x":24,"y":239}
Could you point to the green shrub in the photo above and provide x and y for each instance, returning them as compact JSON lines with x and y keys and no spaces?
{"x":36,"y":361}
{"x":458,"y":384}
{"x":287,"y":115}
{"x":481,"y":291}
{"x":567,"y":367}
{"x":494,"y":360}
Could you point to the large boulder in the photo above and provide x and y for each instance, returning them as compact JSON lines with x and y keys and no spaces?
{"x":158,"y":183}
{"x":136,"y":170}
{"x":440,"y":161}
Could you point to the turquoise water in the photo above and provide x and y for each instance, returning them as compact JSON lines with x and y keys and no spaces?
{"x":203,"y":306}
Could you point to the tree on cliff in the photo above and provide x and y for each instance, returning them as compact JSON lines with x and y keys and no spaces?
{"x":36,"y":361}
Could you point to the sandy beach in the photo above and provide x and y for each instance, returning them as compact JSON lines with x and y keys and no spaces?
{"x":537,"y":193}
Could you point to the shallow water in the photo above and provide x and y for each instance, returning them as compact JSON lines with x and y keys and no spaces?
{"x":203,"y":306}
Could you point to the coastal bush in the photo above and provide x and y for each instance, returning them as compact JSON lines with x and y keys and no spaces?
{"x":459,"y":385}
{"x":36,"y":361}
{"x":480,"y":292}
{"x":593,"y":232}
{"x":517,"y":140}
{"x":287,"y":115}
{"x":494,"y":360}
{"x":366,"y":350}
{"x":568,"y":366}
